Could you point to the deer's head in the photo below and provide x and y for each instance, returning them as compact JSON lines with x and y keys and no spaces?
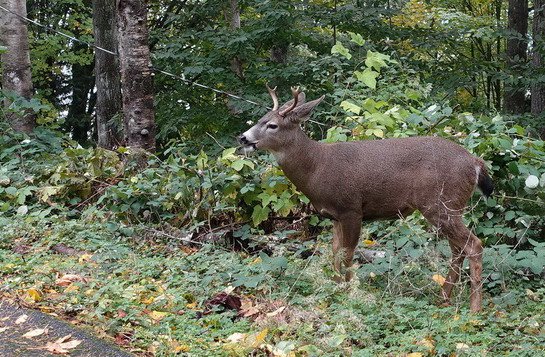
{"x":278,"y":128}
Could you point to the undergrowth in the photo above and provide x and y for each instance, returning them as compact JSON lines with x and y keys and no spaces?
{"x":152,"y":291}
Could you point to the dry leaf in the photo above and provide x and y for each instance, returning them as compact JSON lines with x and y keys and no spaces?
{"x":2,"y":329}
{"x":62,"y":346}
{"x":157,"y":315}
{"x":68,"y":279}
{"x":369,"y":242}
{"x":415,"y":354}
{"x":21,"y":319}
{"x":462,"y":346}
{"x":34,"y":294}
{"x":85,"y":258}
{"x":439,"y":279}
{"x":276,"y":312}
{"x":35,"y":332}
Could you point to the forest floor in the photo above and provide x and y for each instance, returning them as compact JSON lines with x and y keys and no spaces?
{"x":43,"y":335}
{"x":153,"y":292}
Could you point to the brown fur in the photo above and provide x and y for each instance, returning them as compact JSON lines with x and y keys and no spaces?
{"x":350,"y":182}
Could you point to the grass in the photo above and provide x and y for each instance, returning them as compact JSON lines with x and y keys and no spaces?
{"x":154,"y":295}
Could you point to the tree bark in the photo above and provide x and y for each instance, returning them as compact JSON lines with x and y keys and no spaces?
{"x":107,"y":76}
{"x":136,"y":74}
{"x":538,"y":29}
{"x":16,"y":76}
{"x":234,"y":24}
{"x":514,"y":96}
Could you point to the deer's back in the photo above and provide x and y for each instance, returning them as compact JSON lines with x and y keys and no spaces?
{"x":386,"y":178}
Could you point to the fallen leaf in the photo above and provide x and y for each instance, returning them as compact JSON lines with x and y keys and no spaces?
{"x":21,"y":319}
{"x":415,"y":354}
{"x":121,"y":314}
{"x":2,"y":329}
{"x":191,"y":305}
{"x":462,"y":346}
{"x":68,"y":279}
{"x":35,"y":332}
{"x":157,"y":315}
{"x":276,"y":312}
{"x":439,"y":279}
{"x":71,"y":288}
{"x":34,"y":294}
{"x":62,"y":346}
{"x":369,"y":242}
{"x":85,"y":258}
{"x":236,"y":337}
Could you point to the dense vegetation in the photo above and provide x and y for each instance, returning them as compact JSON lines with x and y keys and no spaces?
{"x":202,"y":251}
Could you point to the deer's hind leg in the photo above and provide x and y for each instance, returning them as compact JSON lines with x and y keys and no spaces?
{"x":463,"y":244}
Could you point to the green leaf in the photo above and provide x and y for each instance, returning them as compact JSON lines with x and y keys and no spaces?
{"x":350,"y":107}
{"x":368,"y":77}
{"x":22,"y":210}
{"x":260,"y":214}
{"x":376,"y":60}
{"x":12,"y":191}
{"x":356,"y":38}
{"x":341,"y":50}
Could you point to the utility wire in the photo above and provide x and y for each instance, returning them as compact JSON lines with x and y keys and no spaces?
{"x":92,"y":45}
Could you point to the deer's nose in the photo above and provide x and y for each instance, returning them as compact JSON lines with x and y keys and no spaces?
{"x":242,"y":139}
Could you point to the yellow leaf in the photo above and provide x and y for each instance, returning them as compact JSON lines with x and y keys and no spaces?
{"x":259,"y":338}
{"x":191,"y":305}
{"x":256,"y":261}
{"x":34,"y":294}
{"x":157,"y":315}
{"x":148,"y":300}
{"x":415,"y":354}
{"x":369,"y":242}
{"x":182,"y":348}
{"x":71,"y":288}
{"x":427,"y":342}
{"x":439,"y":279}
{"x":85,"y":258}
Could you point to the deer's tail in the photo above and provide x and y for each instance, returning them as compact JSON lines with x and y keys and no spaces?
{"x":484,"y":181}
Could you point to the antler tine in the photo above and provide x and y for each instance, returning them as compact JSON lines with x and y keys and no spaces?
{"x":272,"y":92}
{"x":295,"y":92}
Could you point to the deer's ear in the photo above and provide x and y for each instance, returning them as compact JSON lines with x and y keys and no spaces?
{"x":301,"y":112}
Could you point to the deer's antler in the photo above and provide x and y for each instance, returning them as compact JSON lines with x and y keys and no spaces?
{"x":295,"y":92}
{"x":272,"y":92}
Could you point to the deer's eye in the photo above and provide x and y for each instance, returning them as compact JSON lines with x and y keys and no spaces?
{"x":272,"y":126}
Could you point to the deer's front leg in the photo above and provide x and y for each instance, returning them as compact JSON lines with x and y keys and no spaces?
{"x":346,"y":234}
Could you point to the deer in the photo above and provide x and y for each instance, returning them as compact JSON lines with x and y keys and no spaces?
{"x":356,"y":181}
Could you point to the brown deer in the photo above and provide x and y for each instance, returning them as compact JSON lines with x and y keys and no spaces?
{"x":351,"y":182}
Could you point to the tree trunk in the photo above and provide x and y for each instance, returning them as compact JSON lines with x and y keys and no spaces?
{"x":538,"y":29}
{"x":514,"y":96}
{"x":78,"y":121}
{"x":136,"y":74}
{"x":16,"y":76}
{"x":107,"y":76}
{"x":234,"y":24}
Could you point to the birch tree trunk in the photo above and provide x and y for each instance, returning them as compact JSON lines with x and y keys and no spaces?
{"x":16,"y":75}
{"x":107,"y":76}
{"x":136,"y":74}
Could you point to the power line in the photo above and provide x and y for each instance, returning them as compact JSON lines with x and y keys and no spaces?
{"x":92,"y":45}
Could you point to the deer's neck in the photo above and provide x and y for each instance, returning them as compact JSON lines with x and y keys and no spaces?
{"x":299,"y":160}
